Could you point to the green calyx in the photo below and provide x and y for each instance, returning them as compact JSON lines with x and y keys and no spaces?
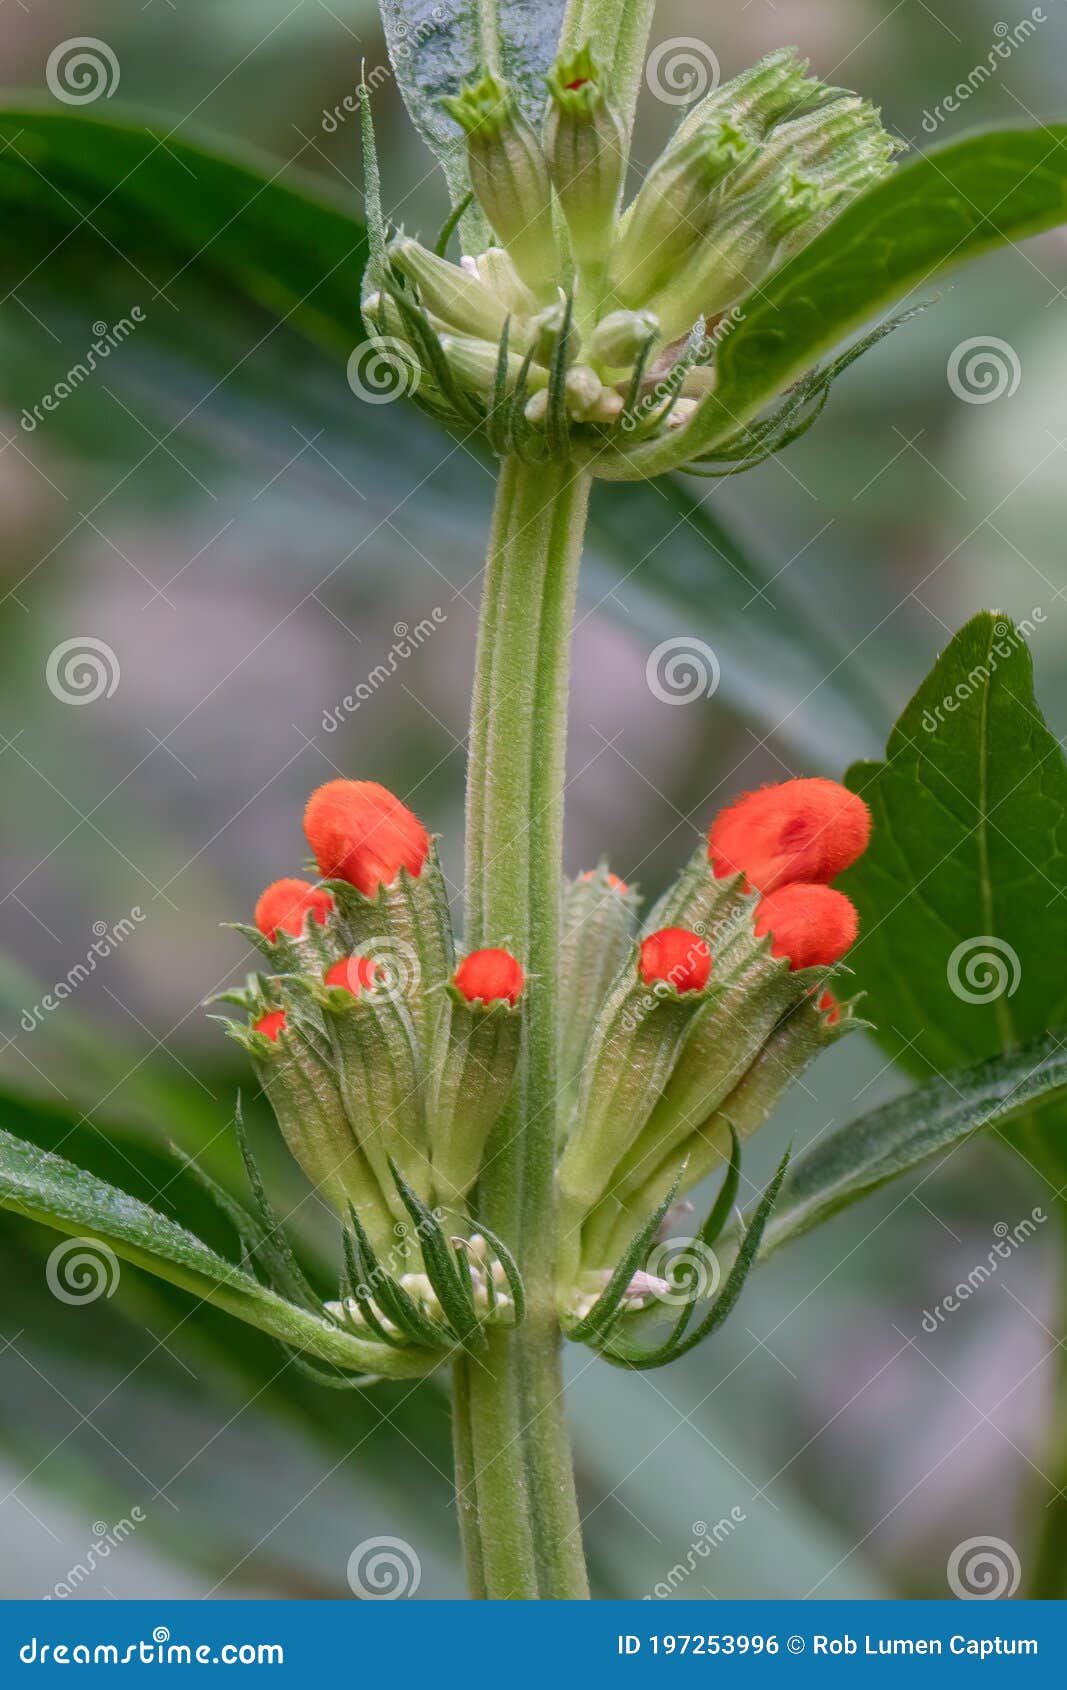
{"x":482,"y":109}
{"x":574,"y":83}
{"x":474,"y":1064}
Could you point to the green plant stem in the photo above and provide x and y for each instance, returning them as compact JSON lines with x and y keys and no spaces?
{"x":513,"y":1453}
{"x":1047,"y":1578}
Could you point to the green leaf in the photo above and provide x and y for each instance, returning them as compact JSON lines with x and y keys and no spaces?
{"x":436,"y":46}
{"x":963,"y":918}
{"x":855,"y":1159}
{"x":46,"y":1187}
{"x":948,"y":205}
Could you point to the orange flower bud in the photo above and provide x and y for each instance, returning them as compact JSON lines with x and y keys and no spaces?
{"x":285,"y":903}
{"x":489,"y":975}
{"x":354,"y":973}
{"x":361,"y":832}
{"x":830,"y":1008}
{"x":613,"y":880}
{"x":806,"y":830}
{"x":677,"y":956}
{"x":811,"y":925}
{"x":271,"y":1024}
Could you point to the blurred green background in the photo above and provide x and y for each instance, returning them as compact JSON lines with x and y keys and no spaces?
{"x":246,"y":574}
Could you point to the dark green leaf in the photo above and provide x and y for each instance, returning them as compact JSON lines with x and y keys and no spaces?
{"x":961,"y":891}
{"x":855,"y":1159}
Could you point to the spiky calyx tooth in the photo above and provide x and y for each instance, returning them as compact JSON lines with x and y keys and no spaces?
{"x":774,"y":87}
{"x":510,"y":179}
{"x":844,"y":132}
{"x":457,"y":298}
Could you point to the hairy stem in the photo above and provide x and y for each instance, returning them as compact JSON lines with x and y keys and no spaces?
{"x":1048,"y":1568}
{"x":514,"y":1467}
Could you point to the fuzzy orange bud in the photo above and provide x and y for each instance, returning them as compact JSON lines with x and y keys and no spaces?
{"x":361,"y":832}
{"x":811,"y":925}
{"x":271,"y":1024}
{"x":489,"y":975}
{"x":677,"y":956}
{"x":613,"y":880}
{"x":354,"y":973}
{"x":830,"y":1008}
{"x":285,"y":903}
{"x":807,"y":830}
